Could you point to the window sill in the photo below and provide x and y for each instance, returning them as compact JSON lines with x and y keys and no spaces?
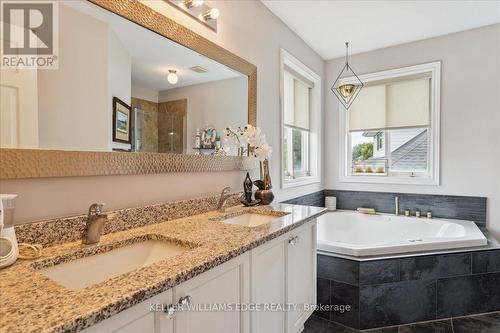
{"x":302,"y":181}
{"x":389,"y":180}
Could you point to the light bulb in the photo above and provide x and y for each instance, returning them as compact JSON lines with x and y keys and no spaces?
{"x":347,"y":90}
{"x":211,"y":14}
{"x":193,"y":3}
{"x":172,"y":77}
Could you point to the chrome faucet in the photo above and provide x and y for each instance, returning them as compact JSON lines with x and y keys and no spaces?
{"x":396,"y":204}
{"x":224,"y":197}
{"x":94,"y":225}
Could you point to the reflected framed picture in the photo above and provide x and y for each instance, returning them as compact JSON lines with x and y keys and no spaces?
{"x":121,"y":121}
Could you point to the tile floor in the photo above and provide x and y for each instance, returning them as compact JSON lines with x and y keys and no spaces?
{"x":487,"y":323}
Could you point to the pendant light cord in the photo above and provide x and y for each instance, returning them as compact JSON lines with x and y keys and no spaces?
{"x":347,"y":55}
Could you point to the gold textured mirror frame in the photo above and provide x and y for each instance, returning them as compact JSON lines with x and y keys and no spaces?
{"x":37,"y":163}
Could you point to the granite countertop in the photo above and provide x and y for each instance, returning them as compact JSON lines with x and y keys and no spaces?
{"x":31,"y":302}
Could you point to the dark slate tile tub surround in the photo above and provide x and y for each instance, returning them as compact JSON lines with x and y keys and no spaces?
{"x":391,"y":292}
{"x":411,"y":288}
{"x":485,"y":323}
{"x":444,"y":206}
{"x":312,"y":199}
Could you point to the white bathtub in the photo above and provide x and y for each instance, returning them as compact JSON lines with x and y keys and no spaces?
{"x":355,"y":234}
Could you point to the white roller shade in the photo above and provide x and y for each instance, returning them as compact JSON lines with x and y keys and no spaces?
{"x":296,"y":102}
{"x":368,"y":109}
{"x":408,"y":104}
{"x":402,"y":104}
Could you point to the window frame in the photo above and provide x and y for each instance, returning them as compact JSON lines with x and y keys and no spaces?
{"x":313,"y":158}
{"x":432,"y":177}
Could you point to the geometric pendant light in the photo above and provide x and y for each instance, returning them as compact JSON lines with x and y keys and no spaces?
{"x":347,"y":93}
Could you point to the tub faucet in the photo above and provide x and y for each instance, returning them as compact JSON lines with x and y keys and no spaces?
{"x":224,"y":197}
{"x":396,"y":204}
{"x":94,"y":225}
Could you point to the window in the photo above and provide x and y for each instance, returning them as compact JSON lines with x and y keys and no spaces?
{"x":391,"y":132}
{"x":300,"y":104}
{"x":296,"y":99}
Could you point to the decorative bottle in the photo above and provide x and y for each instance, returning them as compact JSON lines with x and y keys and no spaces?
{"x":247,"y":188}
{"x":197,"y":139}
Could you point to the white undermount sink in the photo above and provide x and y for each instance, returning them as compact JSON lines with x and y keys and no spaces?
{"x":250,"y":219}
{"x":84,"y":272}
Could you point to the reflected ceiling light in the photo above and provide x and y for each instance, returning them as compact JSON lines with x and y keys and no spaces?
{"x":193,"y":3}
{"x":172,"y":76}
{"x":211,"y":14}
{"x":347,"y":92}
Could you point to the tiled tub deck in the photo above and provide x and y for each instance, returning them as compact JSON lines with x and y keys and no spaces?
{"x":485,"y":323}
{"x":390,"y":292}
{"x":393,"y":291}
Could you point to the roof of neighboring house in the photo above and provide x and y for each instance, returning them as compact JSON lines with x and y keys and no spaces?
{"x":412,"y":155}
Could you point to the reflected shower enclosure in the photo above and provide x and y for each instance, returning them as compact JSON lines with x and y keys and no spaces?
{"x":159,"y":127}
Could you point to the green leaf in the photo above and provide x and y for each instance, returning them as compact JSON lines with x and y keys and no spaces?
{"x":362,"y":151}
{"x":260,"y":184}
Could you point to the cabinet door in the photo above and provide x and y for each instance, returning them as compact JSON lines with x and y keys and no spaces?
{"x":268,"y":285}
{"x":138,"y":318}
{"x":301,"y":275}
{"x":224,"y":286}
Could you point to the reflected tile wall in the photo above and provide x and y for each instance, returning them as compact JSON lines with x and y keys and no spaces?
{"x":172,"y":126}
{"x":146,"y":124}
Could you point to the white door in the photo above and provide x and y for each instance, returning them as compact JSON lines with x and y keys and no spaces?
{"x":301,"y":275}
{"x":18,"y":108}
{"x":268,"y":285}
{"x":210,"y":296}
{"x":8,"y":116}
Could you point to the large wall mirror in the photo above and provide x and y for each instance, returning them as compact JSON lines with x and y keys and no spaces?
{"x":122,"y":86}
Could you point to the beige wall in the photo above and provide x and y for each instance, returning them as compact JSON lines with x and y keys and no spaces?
{"x":72,"y":100}
{"x":238,"y":31}
{"x":470,"y":117}
{"x":119,"y":82}
{"x":142,"y":92}
{"x":219,"y":103}
{"x":75,"y":101}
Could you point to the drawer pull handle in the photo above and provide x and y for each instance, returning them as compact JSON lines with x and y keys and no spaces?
{"x":183,"y":301}
{"x":171,"y":309}
{"x":293,"y":240}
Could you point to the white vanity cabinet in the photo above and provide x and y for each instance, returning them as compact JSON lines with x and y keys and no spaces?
{"x":279,"y":272}
{"x":268,"y":275}
{"x":283,"y":272}
{"x":139,"y":318}
{"x":301,"y":275}
{"x":211,"y":295}
{"x":227,"y":284}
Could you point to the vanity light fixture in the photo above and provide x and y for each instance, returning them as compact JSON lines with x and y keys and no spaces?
{"x":347,"y":92}
{"x":172,"y":77}
{"x":211,"y":14}
{"x":193,"y":3}
{"x":198,"y":10}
